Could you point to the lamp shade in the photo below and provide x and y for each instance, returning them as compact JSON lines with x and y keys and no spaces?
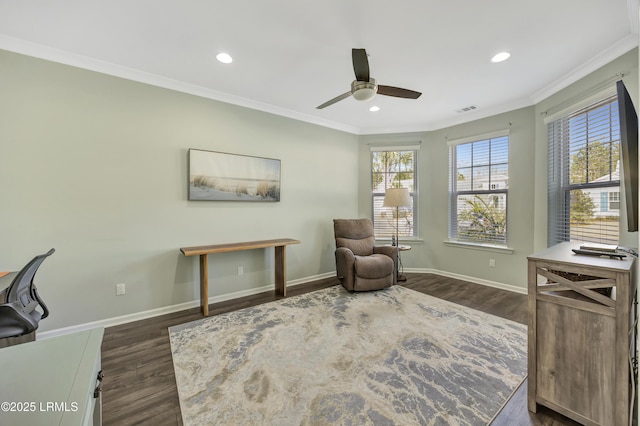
{"x":397,"y":197}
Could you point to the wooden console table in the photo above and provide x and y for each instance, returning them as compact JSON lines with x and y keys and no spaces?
{"x":579,"y":339}
{"x":202,"y":251}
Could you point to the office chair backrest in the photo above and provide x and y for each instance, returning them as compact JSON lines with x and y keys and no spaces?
{"x":22,"y":289}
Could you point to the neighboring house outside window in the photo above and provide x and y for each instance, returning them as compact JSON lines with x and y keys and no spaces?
{"x":394,"y":167}
{"x":478,"y":189}
{"x":614,"y":200}
{"x":584,"y":175}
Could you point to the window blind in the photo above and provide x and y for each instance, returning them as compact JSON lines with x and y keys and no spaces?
{"x":584,"y":175}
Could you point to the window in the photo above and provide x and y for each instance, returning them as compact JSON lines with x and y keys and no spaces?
{"x":394,"y":168}
{"x":614,"y":200}
{"x":478,"y":188}
{"x":584,"y":175}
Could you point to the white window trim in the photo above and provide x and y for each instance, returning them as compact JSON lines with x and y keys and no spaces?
{"x":406,"y":146}
{"x":583,"y":103}
{"x":498,"y":248}
{"x":476,"y":138}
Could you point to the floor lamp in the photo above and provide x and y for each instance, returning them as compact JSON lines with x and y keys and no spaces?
{"x":397,"y":197}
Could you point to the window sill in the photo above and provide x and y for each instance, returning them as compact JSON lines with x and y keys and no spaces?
{"x":479,"y":246}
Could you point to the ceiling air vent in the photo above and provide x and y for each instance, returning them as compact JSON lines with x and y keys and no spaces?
{"x":467,"y":109}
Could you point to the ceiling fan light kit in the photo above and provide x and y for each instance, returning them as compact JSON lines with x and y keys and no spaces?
{"x":364,"y":88}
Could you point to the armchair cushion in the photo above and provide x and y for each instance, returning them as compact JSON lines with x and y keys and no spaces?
{"x":374,"y":266}
{"x":355,"y":234}
{"x":362,"y":247}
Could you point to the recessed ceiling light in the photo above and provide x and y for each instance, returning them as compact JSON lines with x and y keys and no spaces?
{"x":502,"y":56}
{"x":225,"y":58}
{"x":374,"y":108}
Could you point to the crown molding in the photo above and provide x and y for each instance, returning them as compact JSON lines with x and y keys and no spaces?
{"x":453,"y":121}
{"x":88,"y":63}
{"x":633,"y":16}
{"x":85,"y":62}
{"x":615,"y":51}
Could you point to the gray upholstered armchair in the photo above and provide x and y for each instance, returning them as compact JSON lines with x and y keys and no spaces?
{"x":360,"y":265}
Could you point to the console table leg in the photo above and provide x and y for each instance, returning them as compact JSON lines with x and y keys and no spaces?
{"x":204,"y":284}
{"x":280,"y":267}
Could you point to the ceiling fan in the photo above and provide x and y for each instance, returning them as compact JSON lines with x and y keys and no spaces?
{"x":364,"y":88}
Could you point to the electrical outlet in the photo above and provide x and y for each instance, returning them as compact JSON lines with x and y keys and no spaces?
{"x":240,"y":270}
{"x":120,"y":289}
{"x":492,"y":263}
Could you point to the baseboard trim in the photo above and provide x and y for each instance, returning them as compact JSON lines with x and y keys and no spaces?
{"x":123,"y":319}
{"x":475,"y":280}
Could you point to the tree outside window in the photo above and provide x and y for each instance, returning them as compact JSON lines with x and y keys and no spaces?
{"x":478,"y":194}
{"x":584,"y":175}
{"x":393,"y":169}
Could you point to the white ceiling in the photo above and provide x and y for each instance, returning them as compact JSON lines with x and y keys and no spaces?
{"x":292,"y":55}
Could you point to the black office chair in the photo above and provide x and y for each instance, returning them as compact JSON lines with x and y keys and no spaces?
{"x":18,"y":314}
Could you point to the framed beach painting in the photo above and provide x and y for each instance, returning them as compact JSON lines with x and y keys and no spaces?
{"x":219,"y":176}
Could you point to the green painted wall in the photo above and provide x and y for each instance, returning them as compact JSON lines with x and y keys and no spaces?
{"x":527,"y":205}
{"x":432,"y":252}
{"x":96,"y":166}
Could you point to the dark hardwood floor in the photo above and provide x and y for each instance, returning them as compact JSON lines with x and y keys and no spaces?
{"x":139,"y":384}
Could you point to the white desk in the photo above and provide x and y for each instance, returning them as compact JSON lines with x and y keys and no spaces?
{"x":52,"y":381}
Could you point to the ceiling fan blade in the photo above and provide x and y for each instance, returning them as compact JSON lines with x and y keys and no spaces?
{"x":397,"y":92}
{"x":334,"y":100}
{"x":360,"y":64}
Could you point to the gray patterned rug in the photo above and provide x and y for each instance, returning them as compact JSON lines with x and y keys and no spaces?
{"x":391,"y":357}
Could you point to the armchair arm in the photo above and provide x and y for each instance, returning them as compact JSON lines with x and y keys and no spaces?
{"x":345,"y":259}
{"x":392,"y":252}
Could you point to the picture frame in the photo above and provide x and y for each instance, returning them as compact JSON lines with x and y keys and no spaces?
{"x":221,"y":176}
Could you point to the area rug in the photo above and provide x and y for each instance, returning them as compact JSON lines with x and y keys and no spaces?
{"x":330,"y":357}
